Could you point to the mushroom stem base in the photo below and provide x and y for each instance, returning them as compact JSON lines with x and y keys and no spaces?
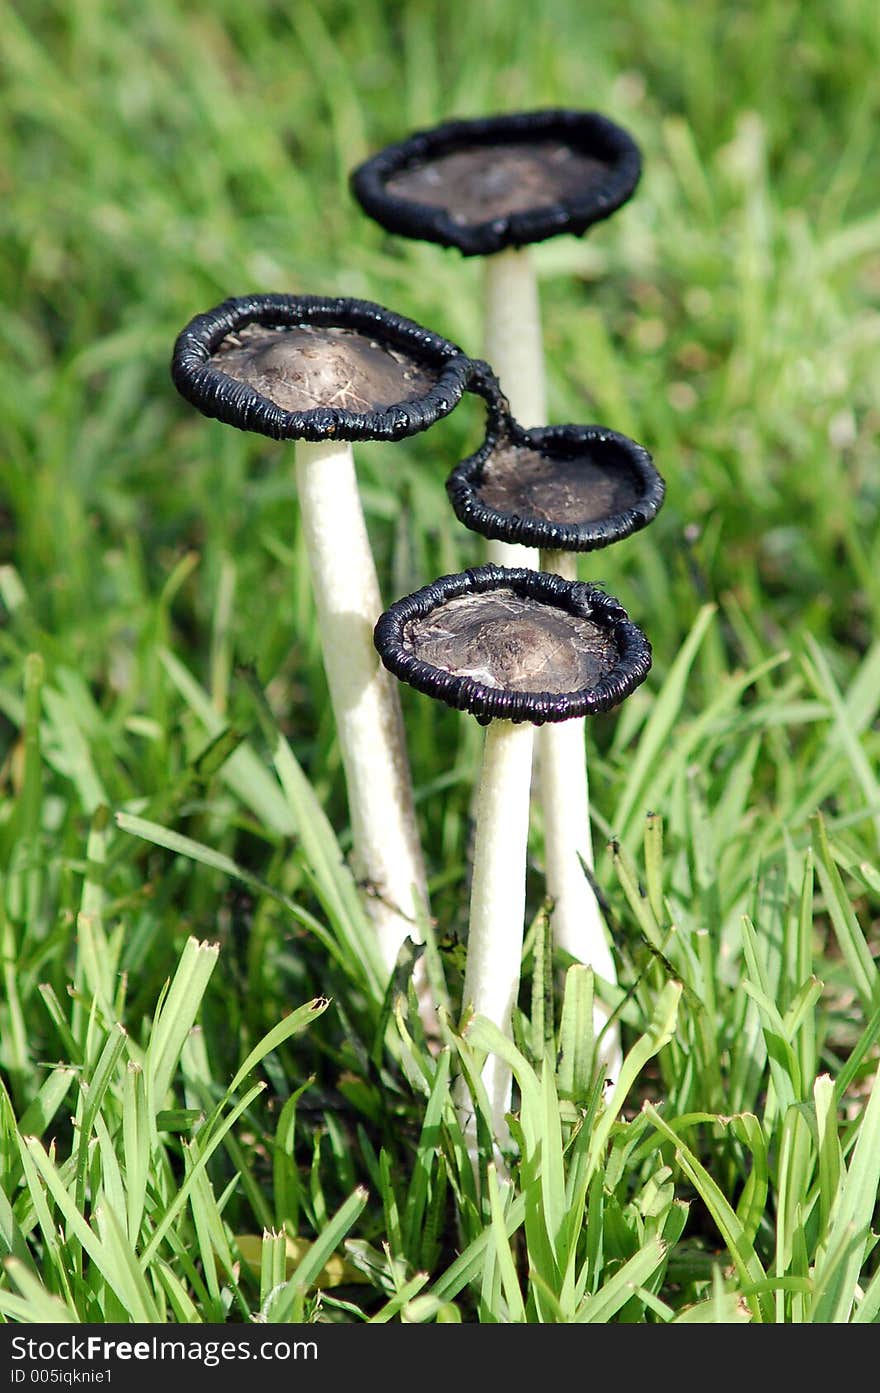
{"x":498,"y":897}
{"x":565,"y":801}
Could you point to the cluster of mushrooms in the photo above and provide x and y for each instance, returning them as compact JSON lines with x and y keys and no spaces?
{"x":518,"y":642}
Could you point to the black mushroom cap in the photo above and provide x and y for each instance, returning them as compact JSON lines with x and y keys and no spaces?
{"x":492,"y":182}
{"x":304,"y":367}
{"x":564,"y":487}
{"x":509,"y":643}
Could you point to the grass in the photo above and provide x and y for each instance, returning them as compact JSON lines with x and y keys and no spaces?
{"x":209,"y":1112}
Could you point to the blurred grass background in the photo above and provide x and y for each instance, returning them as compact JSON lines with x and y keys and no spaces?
{"x":155,"y":159}
{"x":160,"y":158}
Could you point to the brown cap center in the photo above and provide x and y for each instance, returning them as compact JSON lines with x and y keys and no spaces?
{"x":306,"y":367}
{"x":492,"y":181}
{"x":511,"y":642}
{"x":529,"y":483}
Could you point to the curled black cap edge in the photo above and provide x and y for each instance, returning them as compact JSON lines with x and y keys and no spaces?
{"x":409,"y":218}
{"x":492,"y":703}
{"x":223,"y":398}
{"x":463,"y":482}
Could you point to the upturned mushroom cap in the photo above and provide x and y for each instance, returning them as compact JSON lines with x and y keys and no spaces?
{"x":301,"y":367}
{"x":514,"y":644}
{"x":565,"y":488}
{"x":501,"y":181}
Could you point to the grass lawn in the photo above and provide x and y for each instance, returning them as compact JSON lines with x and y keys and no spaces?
{"x":208,"y":1110}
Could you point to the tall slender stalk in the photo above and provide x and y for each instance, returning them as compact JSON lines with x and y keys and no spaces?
{"x":513,"y":347}
{"x":498,"y":896}
{"x":576,"y":918}
{"x":386,"y":849}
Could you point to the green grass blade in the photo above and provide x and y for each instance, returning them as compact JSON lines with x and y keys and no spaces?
{"x":333,"y":879}
{"x":846,"y":926}
{"x":35,"y":1305}
{"x":741,"y":1250}
{"x":665,"y":712}
{"x":206,"y":1151}
{"x":207,"y":856}
{"x":319,"y":1253}
{"x":661,"y":1029}
{"x":837,"y":1273}
{"x":294,"y":1024}
{"x":136,"y":1146}
{"x":110,"y":1256}
{"x":576,"y":1035}
{"x":243,"y":772}
{"x":612,"y":1295}
{"x":176,"y":1017}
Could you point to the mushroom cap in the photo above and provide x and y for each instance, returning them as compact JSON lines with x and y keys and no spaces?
{"x":304,"y":367}
{"x":492,"y":182}
{"x":563,"y":487}
{"x":509,"y":643}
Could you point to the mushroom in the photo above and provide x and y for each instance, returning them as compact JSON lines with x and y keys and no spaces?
{"x":325,"y":372}
{"x":491,"y":186}
{"x":516,"y":648}
{"x":561,"y":489}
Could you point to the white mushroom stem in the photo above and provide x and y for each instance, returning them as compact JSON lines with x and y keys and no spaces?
{"x":565,"y":801}
{"x":514,"y":349}
{"x":498,"y":897}
{"x":386,"y":851}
